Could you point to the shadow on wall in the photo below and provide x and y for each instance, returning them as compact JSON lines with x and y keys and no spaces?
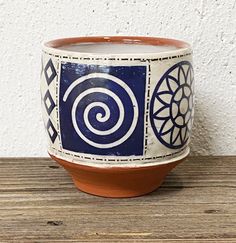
{"x":201,"y":139}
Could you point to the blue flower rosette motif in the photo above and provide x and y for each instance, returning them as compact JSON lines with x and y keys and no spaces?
{"x":171,"y":107}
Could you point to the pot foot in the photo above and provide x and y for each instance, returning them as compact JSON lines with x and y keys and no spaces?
{"x":117,"y":182}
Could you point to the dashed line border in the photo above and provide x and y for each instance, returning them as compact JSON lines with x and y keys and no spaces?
{"x":57,"y":102}
{"x":117,"y":58}
{"x":147,"y":107}
{"x":144,"y":160}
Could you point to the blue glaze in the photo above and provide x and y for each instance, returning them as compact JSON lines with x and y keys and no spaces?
{"x":85,"y":140}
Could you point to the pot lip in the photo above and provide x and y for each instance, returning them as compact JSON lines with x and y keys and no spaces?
{"x":123,"y":167}
{"x":52,"y":46}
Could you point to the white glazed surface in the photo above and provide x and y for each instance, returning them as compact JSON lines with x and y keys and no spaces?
{"x":154,"y":152}
{"x":116,"y":48}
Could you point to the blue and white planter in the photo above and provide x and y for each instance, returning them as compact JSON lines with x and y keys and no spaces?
{"x":118,"y":110}
{"x":123,"y":110}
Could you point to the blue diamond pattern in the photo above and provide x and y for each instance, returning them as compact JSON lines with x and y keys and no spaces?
{"x":53,"y":72}
{"x":51,"y":106}
{"x":51,"y":132}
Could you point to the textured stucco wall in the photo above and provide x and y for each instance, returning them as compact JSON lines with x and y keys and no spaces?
{"x":210,"y":26}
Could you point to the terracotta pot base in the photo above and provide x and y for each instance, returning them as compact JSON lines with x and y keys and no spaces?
{"x":117,"y":182}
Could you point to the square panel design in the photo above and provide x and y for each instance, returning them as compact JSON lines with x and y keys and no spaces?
{"x":102,"y":109}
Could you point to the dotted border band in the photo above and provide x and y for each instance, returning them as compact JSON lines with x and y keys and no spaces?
{"x":57,"y":100}
{"x":144,"y":160}
{"x":147,"y":107}
{"x":118,"y":59}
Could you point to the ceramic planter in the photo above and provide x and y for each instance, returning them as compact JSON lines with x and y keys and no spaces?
{"x":117,"y":120}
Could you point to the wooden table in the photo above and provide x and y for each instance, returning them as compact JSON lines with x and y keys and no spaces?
{"x":196,"y":203}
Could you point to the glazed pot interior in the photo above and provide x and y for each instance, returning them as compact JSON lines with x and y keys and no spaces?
{"x":117,"y":45}
{"x":115,"y":48}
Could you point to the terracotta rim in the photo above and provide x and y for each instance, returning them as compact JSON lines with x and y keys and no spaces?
{"x":52,"y":45}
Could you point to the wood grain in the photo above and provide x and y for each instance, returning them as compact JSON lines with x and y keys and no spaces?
{"x":196,"y":203}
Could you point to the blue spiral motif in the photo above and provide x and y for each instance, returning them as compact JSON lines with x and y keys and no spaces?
{"x":103,"y":109}
{"x":171,"y":106}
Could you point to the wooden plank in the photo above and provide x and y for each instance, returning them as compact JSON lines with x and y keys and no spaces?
{"x":196,"y":203}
